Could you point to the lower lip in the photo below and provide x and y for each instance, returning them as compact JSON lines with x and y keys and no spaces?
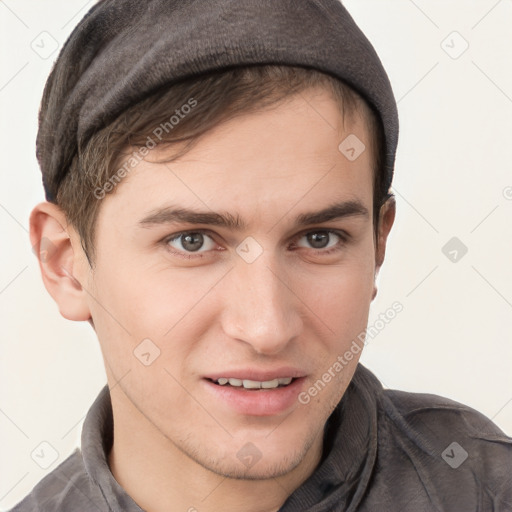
{"x":259,"y":402}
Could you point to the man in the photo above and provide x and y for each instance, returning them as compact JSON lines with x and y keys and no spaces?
{"x":217,"y":177}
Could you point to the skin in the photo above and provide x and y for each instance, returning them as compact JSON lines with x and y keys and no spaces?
{"x":175,"y":447}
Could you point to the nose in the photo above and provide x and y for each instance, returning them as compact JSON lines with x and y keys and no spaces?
{"x":261,"y":307}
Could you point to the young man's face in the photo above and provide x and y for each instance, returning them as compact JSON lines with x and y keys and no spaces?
{"x":273,"y":299}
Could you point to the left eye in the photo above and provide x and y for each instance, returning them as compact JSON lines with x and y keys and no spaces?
{"x":318,"y":239}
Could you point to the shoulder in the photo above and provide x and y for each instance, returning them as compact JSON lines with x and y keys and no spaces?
{"x":451,"y":442}
{"x":66,"y":488}
{"x":433,"y":413}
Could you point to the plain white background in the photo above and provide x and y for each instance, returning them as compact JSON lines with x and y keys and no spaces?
{"x":453,"y":179}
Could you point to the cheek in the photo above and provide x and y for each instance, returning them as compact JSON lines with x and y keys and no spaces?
{"x":124,"y":307}
{"x":133,"y":302}
{"x":130,"y":294}
{"x":341,"y":297}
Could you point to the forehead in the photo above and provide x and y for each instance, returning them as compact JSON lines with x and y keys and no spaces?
{"x":300,"y":153}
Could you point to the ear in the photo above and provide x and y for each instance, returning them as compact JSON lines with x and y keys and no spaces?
{"x":62,"y":261}
{"x":386,"y":220}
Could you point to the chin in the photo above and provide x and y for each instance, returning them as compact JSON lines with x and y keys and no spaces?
{"x":262,"y":469}
{"x":258,"y":459}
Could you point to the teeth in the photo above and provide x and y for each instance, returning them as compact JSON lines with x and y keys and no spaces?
{"x":269,"y":384}
{"x":251,"y":384}
{"x":255,"y":384}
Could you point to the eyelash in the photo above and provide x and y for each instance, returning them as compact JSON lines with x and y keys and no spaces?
{"x":342,"y":235}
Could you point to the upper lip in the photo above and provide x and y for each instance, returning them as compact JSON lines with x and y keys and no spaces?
{"x":258,"y":375}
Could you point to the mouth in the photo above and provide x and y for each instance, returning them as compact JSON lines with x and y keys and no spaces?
{"x":269,"y":395}
{"x":253,"y":385}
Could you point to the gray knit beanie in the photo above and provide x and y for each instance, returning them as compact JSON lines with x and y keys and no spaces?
{"x":122,"y":50}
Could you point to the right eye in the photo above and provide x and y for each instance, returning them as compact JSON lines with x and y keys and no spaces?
{"x":188,"y":243}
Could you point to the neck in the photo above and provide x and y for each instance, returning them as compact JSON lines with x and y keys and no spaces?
{"x":159,"y":477}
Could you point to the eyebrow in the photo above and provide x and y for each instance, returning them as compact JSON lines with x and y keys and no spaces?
{"x":170,"y":214}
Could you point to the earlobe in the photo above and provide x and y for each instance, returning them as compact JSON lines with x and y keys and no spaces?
{"x":58,"y":261}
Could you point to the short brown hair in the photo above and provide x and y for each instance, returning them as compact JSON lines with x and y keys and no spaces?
{"x":219,"y":96}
